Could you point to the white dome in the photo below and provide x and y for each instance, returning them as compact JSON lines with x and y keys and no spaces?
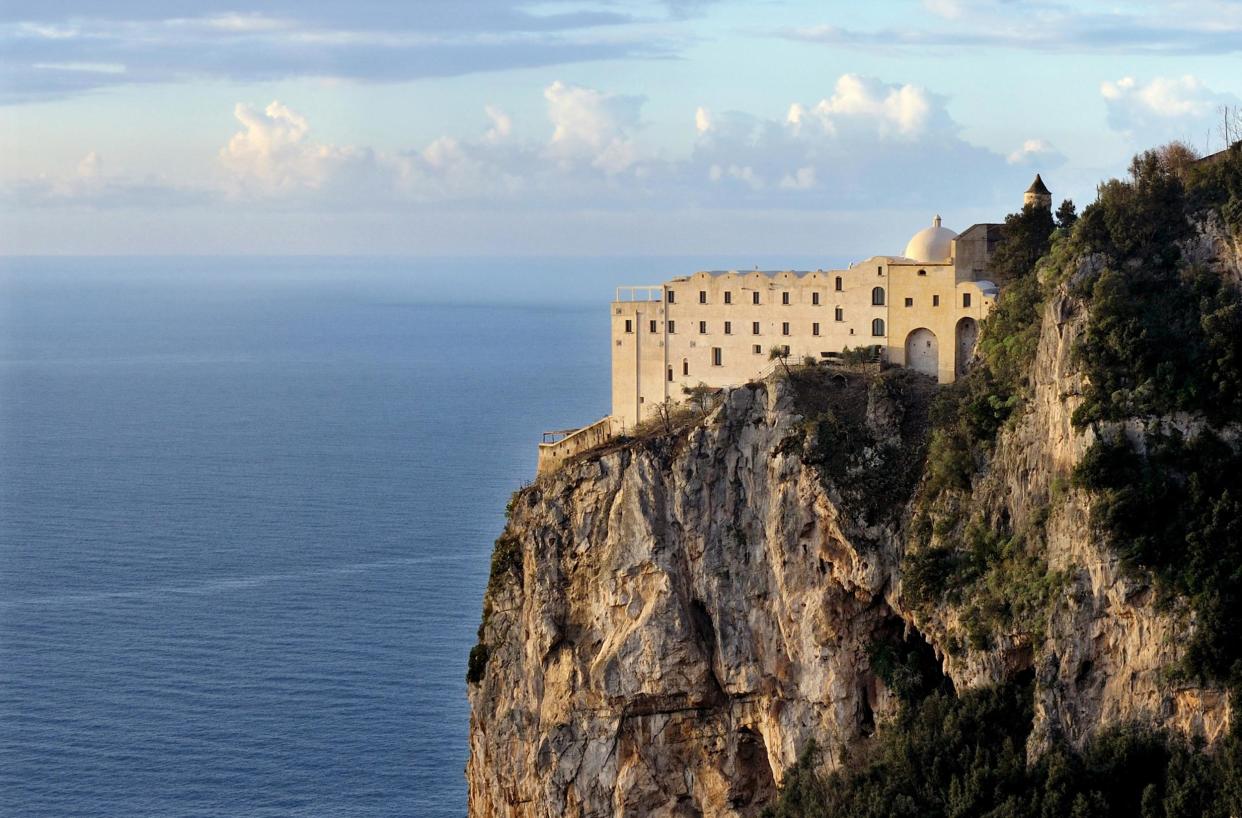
{"x":933,"y":243}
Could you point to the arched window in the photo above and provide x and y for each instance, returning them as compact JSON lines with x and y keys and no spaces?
{"x":877,"y":327}
{"x":877,"y":296}
{"x":922,"y":272}
{"x":838,"y":284}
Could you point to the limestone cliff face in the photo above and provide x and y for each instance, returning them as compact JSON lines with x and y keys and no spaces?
{"x":689,"y":615}
{"x":674,"y":620}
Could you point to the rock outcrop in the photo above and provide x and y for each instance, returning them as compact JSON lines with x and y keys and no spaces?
{"x":679,"y":617}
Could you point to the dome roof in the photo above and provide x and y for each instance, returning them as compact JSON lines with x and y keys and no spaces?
{"x":933,"y":243}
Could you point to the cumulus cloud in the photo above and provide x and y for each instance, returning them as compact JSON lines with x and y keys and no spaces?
{"x":273,"y":155}
{"x":593,"y":126}
{"x":501,"y":126}
{"x":702,"y":119}
{"x":1163,"y":107}
{"x":865,"y":144}
{"x":1037,"y":153}
{"x":801,"y":179}
{"x":865,"y":104}
{"x":89,"y":184}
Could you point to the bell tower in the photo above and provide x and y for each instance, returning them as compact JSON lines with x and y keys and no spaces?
{"x":1038,"y":194}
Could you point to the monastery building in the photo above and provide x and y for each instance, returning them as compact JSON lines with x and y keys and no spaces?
{"x":920,"y":309}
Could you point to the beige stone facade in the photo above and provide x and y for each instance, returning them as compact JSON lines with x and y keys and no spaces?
{"x":717,"y":328}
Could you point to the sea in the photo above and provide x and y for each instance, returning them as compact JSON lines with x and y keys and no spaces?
{"x":246,"y":511}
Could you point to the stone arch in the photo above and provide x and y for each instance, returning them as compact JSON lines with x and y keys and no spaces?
{"x":923,"y":352}
{"x":964,"y":347}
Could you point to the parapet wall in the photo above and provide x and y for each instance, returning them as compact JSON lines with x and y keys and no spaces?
{"x":552,"y":454}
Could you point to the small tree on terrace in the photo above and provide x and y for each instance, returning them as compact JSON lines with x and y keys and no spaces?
{"x":780,"y":353}
{"x":701,"y":397}
{"x":664,"y":411}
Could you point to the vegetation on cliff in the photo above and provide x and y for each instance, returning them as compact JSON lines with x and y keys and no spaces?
{"x":1161,"y":356}
{"x":865,"y":433}
{"x":951,"y":757}
{"x":1165,"y":337}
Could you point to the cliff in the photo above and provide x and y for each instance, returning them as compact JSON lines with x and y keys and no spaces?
{"x":672,"y":620}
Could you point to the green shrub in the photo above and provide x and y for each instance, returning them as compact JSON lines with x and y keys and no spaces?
{"x":1177,"y":512}
{"x":477,"y":664}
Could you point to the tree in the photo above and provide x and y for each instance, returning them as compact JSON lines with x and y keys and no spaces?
{"x":664,"y":411}
{"x":1025,"y":237}
{"x":780,"y":352}
{"x":701,"y":397}
{"x":1067,"y":214}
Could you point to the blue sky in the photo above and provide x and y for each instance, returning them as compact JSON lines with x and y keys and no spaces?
{"x":496,"y":127}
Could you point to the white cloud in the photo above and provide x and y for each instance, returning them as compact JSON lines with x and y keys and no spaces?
{"x":1037,"y":153}
{"x":867,"y":104}
{"x":744,"y":174}
{"x":90,"y":166}
{"x":1163,"y":107}
{"x":592,"y":126}
{"x":272,"y":154}
{"x":702,"y":119}
{"x":501,"y":127}
{"x":801,"y":179}
{"x":867,"y":144}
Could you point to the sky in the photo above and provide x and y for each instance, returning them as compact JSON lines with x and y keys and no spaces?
{"x":504,"y":128}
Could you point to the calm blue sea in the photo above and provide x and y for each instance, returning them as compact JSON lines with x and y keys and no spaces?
{"x":246,"y":512}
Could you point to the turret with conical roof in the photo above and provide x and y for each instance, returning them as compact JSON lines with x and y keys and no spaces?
{"x":1038,"y":194}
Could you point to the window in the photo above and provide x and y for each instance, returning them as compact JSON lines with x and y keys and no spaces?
{"x":815,"y":328}
{"x":965,"y":299}
{"x":728,"y":327}
{"x":785,"y":350}
{"x":653,"y":327}
{"x":754,"y":297}
{"x":784,"y":328}
{"x":935,"y":301}
{"x":702,"y":296}
{"x":629,"y":325}
{"x":814,"y":299}
{"x":785,"y":298}
{"x":909,"y":302}
{"x":838,"y":314}
{"x":685,"y":367}
{"x":879,"y":271}
{"x":758,"y":349}
{"x":922,"y":272}
{"x":877,"y":296}
{"x":702,"y":328}
{"x":670,"y":373}
{"x":672,"y":297}
{"x":717,"y":357}
{"x":877,"y":327}
{"x":672,"y":327}
{"x":728,"y":297}
{"x":754,"y":328}
{"x":838,"y":284}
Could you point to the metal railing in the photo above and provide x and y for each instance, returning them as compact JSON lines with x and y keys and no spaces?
{"x":641,"y":292}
